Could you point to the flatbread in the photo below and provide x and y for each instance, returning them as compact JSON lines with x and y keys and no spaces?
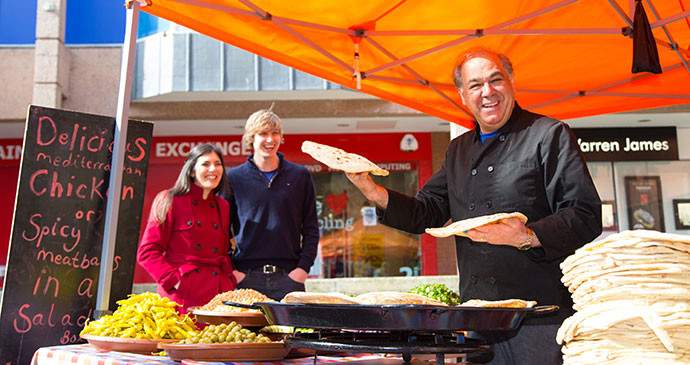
{"x":392,"y":298}
{"x":460,"y":227}
{"x":318,"y":298}
{"x":507,"y":303}
{"x":338,"y":159}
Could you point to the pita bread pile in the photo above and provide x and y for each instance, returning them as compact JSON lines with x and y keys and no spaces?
{"x":631,"y":291}
{"x":372,"y":298}
{"x":460,"y":227}
{"x":506,"y":303}
{"x":338,"y":159}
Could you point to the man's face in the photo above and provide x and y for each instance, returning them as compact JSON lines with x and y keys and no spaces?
{"x":487,"y":92}
{"x":267,"y":142}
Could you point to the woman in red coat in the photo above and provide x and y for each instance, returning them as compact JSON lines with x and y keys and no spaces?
{"x":185,"y":244}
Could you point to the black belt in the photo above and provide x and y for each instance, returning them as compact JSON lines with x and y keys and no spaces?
{"x":268,"y":269}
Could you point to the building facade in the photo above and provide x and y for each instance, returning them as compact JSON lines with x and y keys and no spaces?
{"x":197,"y":89}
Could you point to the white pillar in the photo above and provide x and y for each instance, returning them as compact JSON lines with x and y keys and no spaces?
{"x":51,"y":58}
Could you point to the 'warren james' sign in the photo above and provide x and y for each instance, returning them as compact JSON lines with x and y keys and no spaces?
{"x":51,"y":279}
{"x":628,"y":144}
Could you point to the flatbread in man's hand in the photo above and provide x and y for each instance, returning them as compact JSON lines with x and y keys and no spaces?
{"x":460,"y":227}
{"x":338,"y":159}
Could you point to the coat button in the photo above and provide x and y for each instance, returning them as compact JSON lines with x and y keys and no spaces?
{"x":198,"y":223}
{"x":198,"y":270}
{"x":490,"y":168}
{"x":189,"y":223}
{"x":213,"y":205}
{"x":471,"y":206}
{"x":195,"y":202}
{"x":215,"y":225}
{"x":488,"y":204}
{"x":473,"y":279}
{"x":215,"y":250}
{"x":474,"y":172}
{"x":198,"y":246}
{"x":214,"y":273}
{"x":502,"y":138}
{"x":492,"y":280}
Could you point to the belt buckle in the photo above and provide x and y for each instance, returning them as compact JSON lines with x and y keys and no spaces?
{"x":270,"y":269}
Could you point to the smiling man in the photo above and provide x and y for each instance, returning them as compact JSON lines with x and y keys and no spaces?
{"x":273,"y":213}
{"x":513,"y":161}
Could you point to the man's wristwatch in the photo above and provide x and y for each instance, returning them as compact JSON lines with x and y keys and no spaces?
{"x":527,"y":243}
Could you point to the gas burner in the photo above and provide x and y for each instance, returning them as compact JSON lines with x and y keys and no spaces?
{"x":405,"y":343}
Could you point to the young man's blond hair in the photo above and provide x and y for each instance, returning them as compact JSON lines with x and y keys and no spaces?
{"x":261,"y":121}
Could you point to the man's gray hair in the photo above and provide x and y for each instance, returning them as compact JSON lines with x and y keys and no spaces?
{"x":478,"y":52}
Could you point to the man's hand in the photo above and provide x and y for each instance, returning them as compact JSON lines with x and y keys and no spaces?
{"x":239,"y":275}
{"x":371,"y":191}
{"x":509,"y":232}
{"x":298,"y":275}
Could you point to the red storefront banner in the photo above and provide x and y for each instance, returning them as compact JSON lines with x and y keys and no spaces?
{"x":10,"y":152}
{"x":379,"y":147}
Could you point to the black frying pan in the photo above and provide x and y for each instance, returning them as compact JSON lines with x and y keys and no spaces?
{"x":394,"y":317}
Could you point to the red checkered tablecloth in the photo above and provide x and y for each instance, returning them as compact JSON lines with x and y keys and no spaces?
{"x":86,"y":354}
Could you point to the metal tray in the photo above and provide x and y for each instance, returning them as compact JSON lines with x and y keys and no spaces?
{"x":395,"y":317}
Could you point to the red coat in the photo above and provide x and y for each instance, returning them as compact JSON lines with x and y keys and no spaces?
{"x":190,"y":247}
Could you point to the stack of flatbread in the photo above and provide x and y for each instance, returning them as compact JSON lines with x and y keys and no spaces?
{"x":338,"y":159}
{"x":372,"y":298}
{"x":631,"y":291}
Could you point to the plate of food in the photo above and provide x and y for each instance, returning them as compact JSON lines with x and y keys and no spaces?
{"x":243,"y":351}
{"x":246,"y":319}
{"x":134,"y":345}
{"x":216,"y":312}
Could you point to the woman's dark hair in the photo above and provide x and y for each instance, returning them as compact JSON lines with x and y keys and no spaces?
{"x":163,"y":201}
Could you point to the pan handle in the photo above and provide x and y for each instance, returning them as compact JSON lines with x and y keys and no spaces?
{"x":241,"y":305}
{"x":545,"y":309}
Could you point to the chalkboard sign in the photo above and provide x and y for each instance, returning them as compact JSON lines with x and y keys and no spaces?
{"x":51,"y":278}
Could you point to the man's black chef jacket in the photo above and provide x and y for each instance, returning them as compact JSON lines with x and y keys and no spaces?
{"x":533,"y":166}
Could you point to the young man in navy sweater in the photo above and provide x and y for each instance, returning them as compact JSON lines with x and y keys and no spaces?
{"x":272,"y":212}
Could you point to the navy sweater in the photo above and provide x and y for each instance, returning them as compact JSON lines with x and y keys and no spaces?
{"x":274,"y":221}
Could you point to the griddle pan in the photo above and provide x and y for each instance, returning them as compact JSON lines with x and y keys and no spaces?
{"x":404,"y":317}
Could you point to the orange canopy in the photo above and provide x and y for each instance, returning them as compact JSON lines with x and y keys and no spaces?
{"x":571,"y":58}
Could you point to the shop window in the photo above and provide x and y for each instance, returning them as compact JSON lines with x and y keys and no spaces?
{"x":273,"y":75}
{"x":353,"y":243}
{"x":647,"y":191}
{"x":239,"y":69}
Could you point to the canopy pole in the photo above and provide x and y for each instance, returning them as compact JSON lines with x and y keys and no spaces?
{"x":117,"y":163}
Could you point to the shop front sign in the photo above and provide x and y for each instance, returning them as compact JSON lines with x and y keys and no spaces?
{"x":628,"y":144}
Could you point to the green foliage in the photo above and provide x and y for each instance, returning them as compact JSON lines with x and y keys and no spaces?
{"x":437,"y":291}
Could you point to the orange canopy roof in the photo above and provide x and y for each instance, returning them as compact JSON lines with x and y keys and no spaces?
{"x":571,"y":58}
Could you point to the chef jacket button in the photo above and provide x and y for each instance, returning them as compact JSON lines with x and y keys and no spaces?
{"x":215,"y":250}
{"x":189,"y":223}
{"x":214,"y":272}
{"x":490,"y":168}
{"x":473,"y":279}
{"x":501,"y":138}
{"x":492,"y":280}
{"x":198,"y":270}
{"x":471,"y":206}
{"x":474,"y":172}
{"x":213,"y":205}
{"x":195,"y":202}
{"x":488,"y":204}
{"x":215,"y":225}
{"x":198,"y":246}
{"x":198,"y":223}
